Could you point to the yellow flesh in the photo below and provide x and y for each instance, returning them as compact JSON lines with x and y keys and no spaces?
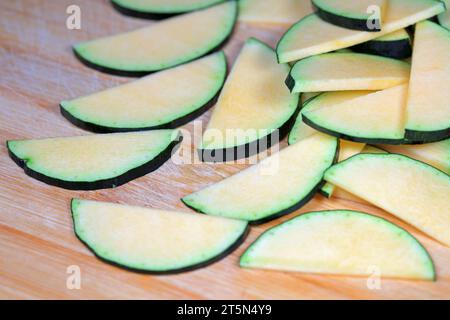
{"x":429,"y":90}
{"x":415,"y":192}
{"x":92,"y":157}
{"x":399,"y":14}
{"x":436,"y":154}
{"x":393,"y":36}
{"x":254,"y":101}
{"x":375,"y":115}
{"x":340,"y":242}
{"x":348,"y":71}
{"x":274,"y":11}
{"x":152,"y":239}
{"x":353,"y":9}
{"x":270,"y":186}
{"x":341,"y":193}
{"x":301,"y":130}
{"x":164,"y":42}
{"x":155,"y":99}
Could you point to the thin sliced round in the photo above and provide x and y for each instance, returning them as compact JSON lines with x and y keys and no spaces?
{"x":151,"y":240}
{"x":161,"y":8}
{"x":94,"y":161}
{"x":444,"y":17}
{"x":163,"y":44}
{"x":276,"y":186}
{"x":253,"y":105}
{"x":284,"y":12}
{"x":428,"y":110}
{"x":346,"y":71}
{"x":371,"y":118}
{"x":436,"y":154}
{"x":395,"y":45}
{"x":166,"y":99}
{"x":311,"y":35}
{"x":365,"y":15}
{"x":407,"y":188}
{"x":337,"y":242}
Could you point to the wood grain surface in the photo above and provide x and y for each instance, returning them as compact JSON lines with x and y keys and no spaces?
{"x":37,"y":243}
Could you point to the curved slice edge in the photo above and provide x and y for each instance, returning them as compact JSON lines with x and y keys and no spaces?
{"x":134,"y":11}
{"x":139,"y":73}
{"x":196,"y":266}
{"x":343,"y":21}
{"x":112,"y":182}
{"x":284,"y":211}
{"x":172,"y":124}
{"x":245,"y":260}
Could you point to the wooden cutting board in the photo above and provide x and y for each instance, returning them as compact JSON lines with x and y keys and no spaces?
{"x":38,"y":245}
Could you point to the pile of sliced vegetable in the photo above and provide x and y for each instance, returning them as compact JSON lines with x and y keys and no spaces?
{"x":364,"y":124}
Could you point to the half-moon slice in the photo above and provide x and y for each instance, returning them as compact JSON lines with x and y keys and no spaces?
{"x":154,"y":241}
{"x":340,"y":242}
{"x":163,"y":44}
{"x":162,"y":100}
{"x":94,"y":161}
{"x":278,"y":185}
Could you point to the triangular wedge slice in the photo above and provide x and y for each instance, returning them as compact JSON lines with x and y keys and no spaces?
{"x":160,"y":8}
{"x":412,"y":190}
{"x":365,"y":15}
{"x":428,"y":111}
{"x":444,"y":17}
{"x":276,"y":186}
{"x":163,"y":44}
{"x":94,"y":161}
{"x":436,"y":154}
{"x":395,"y":45}
{"x":312,"y":35}
{"x":346,"y":71}
{"x":253,"y":105}
{"x":340,"y":242}
{"x":371,"y":118}
{"x":151,"y":240}
{"x":284,"y":12}
{"x":166,"y":99}
{"x":346,"y":150}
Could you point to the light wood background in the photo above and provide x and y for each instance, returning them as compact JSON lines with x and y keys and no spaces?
{"x":37,"y":243}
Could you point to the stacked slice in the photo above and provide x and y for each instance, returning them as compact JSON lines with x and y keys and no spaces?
{"x":311,"y":35}
{"x":346,"y":71}
{"x":376,"y":117}
{"x":428,"y":112}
